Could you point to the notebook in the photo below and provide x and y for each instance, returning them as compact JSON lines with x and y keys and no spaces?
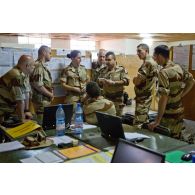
{"x":128,"y":152}
{"x":49,"y":116}
{"x":111,"y":128}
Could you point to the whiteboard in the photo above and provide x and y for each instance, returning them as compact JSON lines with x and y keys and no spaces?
{"x":181,"y":56}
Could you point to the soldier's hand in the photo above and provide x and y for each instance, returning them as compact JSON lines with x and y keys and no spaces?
{"x":28,"y":115}
{"x":109,"y":82}
{"x":77,"y":90}
{"x":152,"y":125}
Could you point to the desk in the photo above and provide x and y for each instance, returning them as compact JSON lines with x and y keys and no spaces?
{"x":187,"y":148}
{"x":157,"y":142}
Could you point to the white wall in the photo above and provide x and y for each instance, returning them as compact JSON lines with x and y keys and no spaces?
{"x":59,"y":43}
{"x":8,"y":39}
{"x":126,"y":46}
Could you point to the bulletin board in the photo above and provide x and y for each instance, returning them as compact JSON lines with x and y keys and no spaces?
{"x":188,"y":100}
{"x":9,"y":57}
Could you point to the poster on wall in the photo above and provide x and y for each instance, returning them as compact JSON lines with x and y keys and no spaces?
{"x":181,"y":56}
{"x":193,"y":57}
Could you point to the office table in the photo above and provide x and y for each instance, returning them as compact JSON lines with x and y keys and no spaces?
{"x":156,"y":142}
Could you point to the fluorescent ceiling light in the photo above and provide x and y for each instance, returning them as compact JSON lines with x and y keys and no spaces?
{"x":145,"y":35}
{"x":148,"y":41}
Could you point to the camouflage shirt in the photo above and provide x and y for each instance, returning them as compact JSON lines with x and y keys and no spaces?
{"x":96,"y":72}
{"x":100,"y":104}
{"x":12,"y":86}
{"x":172,"y":79}
{"x":41,"y":76}
{"x":149,"y":72}
{"x":118,"y":73}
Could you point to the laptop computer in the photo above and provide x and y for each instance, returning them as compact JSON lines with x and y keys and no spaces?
{"x":49,"y":116}
{"x":128,"y":152}
{"x":111,"y":128}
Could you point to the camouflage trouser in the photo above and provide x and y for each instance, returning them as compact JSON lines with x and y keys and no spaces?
{"x":175,"y":126}
{"x":119,"y":105}
{"x":141,"y":110}
{"x":39,"y":108}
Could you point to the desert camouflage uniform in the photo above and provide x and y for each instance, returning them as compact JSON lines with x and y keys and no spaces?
{"x":75,"y":77}
{"x":100,"y":104}
{"x":171,"y":81}
{"x":115,"y":92}
{"x":148,"y":71}
{"x":41,"y":76}
{"x":12,"y":89}
{"x":96,"y":71}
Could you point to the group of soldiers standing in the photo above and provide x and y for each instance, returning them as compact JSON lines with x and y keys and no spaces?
{"x":32,"y":80}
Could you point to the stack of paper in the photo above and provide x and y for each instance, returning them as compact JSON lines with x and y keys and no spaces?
{"x":45,"y":157}
{"x":134,"y":136}
{"x":101,"y":157}
{"x":15,"y":145}
{"x":78,"y":151}
{"x":62,"y":139}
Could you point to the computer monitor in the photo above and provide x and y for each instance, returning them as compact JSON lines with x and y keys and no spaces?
{"x":128,"y":152}
{"x":49,"y":116}
{"x":110,"y":126}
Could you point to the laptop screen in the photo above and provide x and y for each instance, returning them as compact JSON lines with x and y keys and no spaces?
{"x":49,"y":116}
{"x":110,"y":126}
{"x":127,"y":152}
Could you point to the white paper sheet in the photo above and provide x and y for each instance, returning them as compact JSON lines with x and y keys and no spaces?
{"x":6,"y":58}
{"x":45,"y":157}
{"x":132,"y":136}
{"x":9,"y":146}
{"x":61,"y":139}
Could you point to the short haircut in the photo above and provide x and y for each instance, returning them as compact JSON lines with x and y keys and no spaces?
{"x":162,"y":50}
{"x":144,"y":46}
{"x":92,"y":89}
{"x":111,"y":53}
{"x":73,"y":54}
{"x":42,"y":49}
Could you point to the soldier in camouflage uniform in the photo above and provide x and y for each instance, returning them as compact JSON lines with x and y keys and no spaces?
{"x":113,"y":78}
{"x":144,"y":84}
{"x":41,"y":82}
{"x":171,"y":90}
{"x":97,"y":66}
{"x":94,"y":102}
{"x":74,"y":78}
{"x":14,"y":90}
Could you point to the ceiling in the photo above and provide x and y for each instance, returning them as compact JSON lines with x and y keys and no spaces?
{"x":165,"y":37}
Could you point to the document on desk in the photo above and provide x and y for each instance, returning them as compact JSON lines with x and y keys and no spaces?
{"x":61,"y":139}
{"x":9,"y":146}
{"x":85,"y":126}
{"x":78,"y":151}
{"x":101,"y":157}
{"x":133,"y":136}
{"x":45,"y":157}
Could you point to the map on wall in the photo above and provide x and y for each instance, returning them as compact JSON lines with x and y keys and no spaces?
{"x":181,"y":56}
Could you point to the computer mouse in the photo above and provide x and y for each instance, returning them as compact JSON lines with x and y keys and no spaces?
{"x":187,"y":157}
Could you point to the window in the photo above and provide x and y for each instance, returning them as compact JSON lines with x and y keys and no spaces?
{"x":82,"y":45}
{"x":36,"y":41}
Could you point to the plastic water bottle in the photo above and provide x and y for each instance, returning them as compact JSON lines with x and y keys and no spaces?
{"x":60,"y":121}
{"x":78,"y":119}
